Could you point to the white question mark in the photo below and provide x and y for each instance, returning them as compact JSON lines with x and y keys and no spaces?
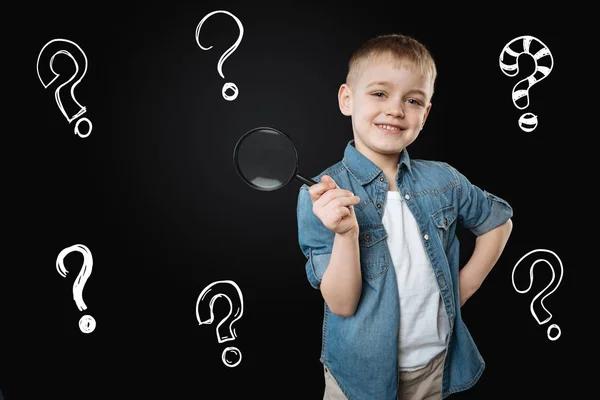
{"x":510,"y":66}
{"x":540,"y":293}
{"x":206,"y":301}
{"x":47,"y":75}
{"x":87,"y":323}
{"x":228,"y":85}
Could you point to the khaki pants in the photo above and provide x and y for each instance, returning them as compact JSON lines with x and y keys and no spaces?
{"x":422,"y":384}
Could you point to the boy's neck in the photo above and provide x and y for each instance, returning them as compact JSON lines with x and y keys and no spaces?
{"x":390,"y":169}
{"x":391,"y":178}
{"x":388,"y":163}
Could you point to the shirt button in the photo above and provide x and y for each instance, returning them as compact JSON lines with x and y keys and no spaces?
{"x":381,"y":179}
{"x":407,"y":196}
{"x":368,"y":236}
{"x":378,"y":205}
{"x":445,"y":221}
{"x":426,"y":237}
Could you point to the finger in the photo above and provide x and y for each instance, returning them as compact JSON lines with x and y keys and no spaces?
{"x":331,"y":195}
{"x":351,"y":209}
{"x":344,"y":202}
{"x":342,"y":212}
{"x":329,"y":180}
{"x":317,"y":190}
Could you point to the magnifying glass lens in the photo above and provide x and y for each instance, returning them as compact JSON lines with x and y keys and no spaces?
{"x":266,"y":158}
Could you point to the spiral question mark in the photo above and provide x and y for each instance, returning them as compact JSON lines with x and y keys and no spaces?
{"x":87,"y":323}
{"x":205,"y":303}
{"x":228,"y":85}
{"x":47,"y":75}
{"x":549,"y":315}
{"x":510,"y":66}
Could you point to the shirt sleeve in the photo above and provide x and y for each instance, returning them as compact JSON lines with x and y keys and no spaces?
{"x":480,"y":211}
{"x":316,"y":241}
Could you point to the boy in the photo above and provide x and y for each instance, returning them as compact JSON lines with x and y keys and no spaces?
{"x":379,"y":234}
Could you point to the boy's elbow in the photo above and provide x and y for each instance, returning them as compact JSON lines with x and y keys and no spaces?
{"x":340,"y":301}
{"x":343,"y":311}
{"x":338,"y":306}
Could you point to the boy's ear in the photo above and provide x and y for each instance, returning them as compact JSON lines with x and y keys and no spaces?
{"x":345,"y":99}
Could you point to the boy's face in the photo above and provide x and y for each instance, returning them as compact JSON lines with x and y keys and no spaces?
{"x":388,"y":106}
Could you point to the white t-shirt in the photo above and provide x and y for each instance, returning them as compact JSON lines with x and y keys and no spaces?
{"x":424,"y":323}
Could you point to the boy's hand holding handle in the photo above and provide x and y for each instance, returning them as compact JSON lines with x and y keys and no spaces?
{"x":334,"y":206}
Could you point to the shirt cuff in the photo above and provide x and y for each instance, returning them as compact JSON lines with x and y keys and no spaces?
{"x":500,"y":212}
{"x":315,"y":268}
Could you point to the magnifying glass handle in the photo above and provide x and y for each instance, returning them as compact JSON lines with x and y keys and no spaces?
{"x":302,"y":179}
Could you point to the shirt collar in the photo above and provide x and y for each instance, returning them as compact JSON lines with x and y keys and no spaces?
{"x":365,"y":170}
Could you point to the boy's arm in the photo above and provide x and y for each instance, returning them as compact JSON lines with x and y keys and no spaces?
{"x":489,"y":218}
{"x":328,"y":237}
{"x":341,"y":285}
{"x":488,"y":248}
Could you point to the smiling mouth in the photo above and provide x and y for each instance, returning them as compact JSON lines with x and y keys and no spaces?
{"x":389,"y":128}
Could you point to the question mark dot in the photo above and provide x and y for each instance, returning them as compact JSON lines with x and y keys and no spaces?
{"x":557,"y":335}
{"x":87,"y":324}
{"x":232,"y":353}
{"x":227,"y":86}
{"x":89,"y":130}
{"x":528,"y":122}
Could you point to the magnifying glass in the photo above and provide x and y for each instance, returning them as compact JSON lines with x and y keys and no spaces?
{"x":266,"y":159}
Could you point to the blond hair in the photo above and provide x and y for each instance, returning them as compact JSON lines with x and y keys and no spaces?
{"x":400,"y":47}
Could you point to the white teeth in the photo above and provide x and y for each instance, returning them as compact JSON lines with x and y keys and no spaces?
{"x":389,"y":128}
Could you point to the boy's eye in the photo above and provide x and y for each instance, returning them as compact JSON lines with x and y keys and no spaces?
{"x":415,"y":102}
{"x":379,"y":94}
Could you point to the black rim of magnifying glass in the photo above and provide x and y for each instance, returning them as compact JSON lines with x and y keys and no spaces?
{"x":309,"y":182}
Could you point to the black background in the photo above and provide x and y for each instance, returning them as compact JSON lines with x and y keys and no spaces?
{"x":153,"y":193}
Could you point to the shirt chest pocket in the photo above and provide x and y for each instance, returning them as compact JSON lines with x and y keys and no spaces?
{"x":444,"y":219}
{"x":373,"y":251}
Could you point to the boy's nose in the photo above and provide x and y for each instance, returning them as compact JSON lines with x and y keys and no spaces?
{"x":395,"y":110}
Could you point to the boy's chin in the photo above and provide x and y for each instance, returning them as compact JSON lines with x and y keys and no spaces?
{"x":385,"y":148}
{"x":391,"y":151}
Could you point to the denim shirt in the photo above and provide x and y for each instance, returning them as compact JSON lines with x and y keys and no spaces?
{"x":361,"y":351}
